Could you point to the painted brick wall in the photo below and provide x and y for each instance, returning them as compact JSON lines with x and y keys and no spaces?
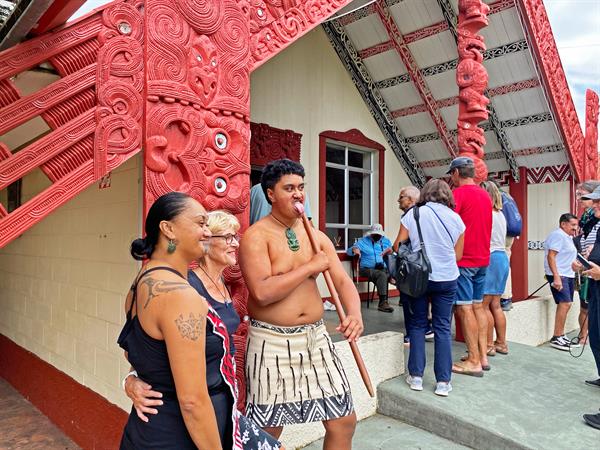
{"x":63,"y":282}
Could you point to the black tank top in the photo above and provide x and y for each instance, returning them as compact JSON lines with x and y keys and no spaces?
{"x":165,"y":430}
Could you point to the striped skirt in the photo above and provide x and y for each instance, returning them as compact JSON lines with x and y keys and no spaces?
{"x":294,"y":375}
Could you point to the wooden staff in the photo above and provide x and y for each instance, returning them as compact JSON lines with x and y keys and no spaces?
{"x":336,"y":300}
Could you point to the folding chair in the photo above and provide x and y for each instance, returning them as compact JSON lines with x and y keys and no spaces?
{"x":356,"y":278}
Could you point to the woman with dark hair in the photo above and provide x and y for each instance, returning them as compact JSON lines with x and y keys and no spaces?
{"x":496,"y":275}
{"x":178,"y":343}
{"x":443,"y":235}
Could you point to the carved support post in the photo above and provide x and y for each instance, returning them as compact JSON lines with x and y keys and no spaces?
{"x":590,"y":166}
{"x":519,"y":260}
{"x":472,"y":80}
{"x":197,"y":131}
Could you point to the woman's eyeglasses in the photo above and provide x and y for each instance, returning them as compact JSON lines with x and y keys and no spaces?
{"x":228,"y":237}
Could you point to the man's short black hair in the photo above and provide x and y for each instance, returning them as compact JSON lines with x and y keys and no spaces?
{"x":566,"y":217}
{"x":273,"y":172}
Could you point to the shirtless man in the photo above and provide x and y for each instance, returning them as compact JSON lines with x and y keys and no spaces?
{"x":293,"y":373}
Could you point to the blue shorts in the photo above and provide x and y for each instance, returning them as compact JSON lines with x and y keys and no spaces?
{"x":470,"y":285}
{"x":565,"y":295}
{"x":497,"y":274}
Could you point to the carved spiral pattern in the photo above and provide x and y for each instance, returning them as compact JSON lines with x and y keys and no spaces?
{"x":168,"y":39}
{"x":204,"y":16}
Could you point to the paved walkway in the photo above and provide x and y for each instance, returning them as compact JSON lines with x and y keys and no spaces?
{"x":22,"y":426}
{"x":532,"y":399}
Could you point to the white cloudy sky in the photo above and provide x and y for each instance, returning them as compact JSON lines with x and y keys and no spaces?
{"x":576,"y":27}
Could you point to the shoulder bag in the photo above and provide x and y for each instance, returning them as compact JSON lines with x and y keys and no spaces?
{"x":412,"y":268}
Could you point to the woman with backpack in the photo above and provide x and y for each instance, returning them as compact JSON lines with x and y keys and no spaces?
{"x":433,"y":222}
{"x":496,"y":274}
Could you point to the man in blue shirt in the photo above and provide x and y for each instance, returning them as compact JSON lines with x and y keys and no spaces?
{"x":371,"y":249}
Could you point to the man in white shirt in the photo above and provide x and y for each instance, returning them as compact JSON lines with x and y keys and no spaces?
{"x":559,"y":254}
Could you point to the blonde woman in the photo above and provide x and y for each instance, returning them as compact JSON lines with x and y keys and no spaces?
{"x":496,"y":275}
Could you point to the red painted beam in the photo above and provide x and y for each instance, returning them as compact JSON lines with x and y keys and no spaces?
{"x":520,"y":252}
{"x":422,"y":33}
{"x":451,"y":101}
{"x":57,"y":14}
{"x":413,"y":69}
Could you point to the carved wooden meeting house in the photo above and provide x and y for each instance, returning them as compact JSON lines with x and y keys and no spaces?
{"x":102,"y":114}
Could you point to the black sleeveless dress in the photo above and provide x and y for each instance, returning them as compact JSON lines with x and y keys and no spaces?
{"x":167,"y":430}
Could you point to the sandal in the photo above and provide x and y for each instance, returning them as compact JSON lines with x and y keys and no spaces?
{"x":491,"y":351}
{"x":502,"y":349}
{"x":457,"y":368}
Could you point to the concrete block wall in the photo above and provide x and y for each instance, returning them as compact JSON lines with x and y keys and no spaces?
{"x":64,"y":281}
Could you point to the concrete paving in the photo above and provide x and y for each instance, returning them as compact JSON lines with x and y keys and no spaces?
{"x":533,"y":398}
{"x":22,"y":426}
{"x":380,"y":432}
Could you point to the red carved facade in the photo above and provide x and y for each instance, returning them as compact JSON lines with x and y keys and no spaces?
{"x":472,"y":79}
{"x":590,"y":166}
{"x":269,"y":143}
{"x":542,"y":43}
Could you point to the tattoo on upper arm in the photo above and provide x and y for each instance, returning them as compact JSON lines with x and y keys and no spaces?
{"x":191,"y":328}
{"x":157,"y":287}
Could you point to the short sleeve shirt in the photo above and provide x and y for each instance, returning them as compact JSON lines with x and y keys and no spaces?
{"x":441,"y":227}
{"x":562,"y":243}
{"x":474,"y":206}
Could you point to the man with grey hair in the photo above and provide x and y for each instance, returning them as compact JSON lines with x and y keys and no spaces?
{"x":409,"y":196}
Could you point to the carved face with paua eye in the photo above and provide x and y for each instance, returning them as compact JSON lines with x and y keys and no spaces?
{"x":203,"y":68}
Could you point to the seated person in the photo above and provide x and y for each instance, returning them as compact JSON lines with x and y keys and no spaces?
{"x":371,"y":249}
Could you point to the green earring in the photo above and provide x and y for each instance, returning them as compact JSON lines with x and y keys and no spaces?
{"x":171,"y":247}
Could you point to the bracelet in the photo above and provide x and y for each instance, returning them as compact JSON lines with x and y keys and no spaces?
{"x":133,"y":372}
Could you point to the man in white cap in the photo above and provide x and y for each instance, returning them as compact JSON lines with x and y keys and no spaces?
{"x":371,"y":249}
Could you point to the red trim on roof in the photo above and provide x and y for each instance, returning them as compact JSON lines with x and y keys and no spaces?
{"x":541,"y":41}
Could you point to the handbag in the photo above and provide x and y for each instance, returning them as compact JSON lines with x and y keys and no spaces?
{"x":412,"y":269}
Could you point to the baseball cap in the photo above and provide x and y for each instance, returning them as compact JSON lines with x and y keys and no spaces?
{"x":461,"y":161}
{"x":592,"y":196}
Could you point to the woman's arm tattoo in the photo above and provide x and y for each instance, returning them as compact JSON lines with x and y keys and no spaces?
{"x":157,"y":287}
{"x":191,"y":328}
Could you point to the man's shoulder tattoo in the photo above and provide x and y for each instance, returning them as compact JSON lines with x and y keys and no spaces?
{"x":192,"y":327}
{"x":157,"y":287}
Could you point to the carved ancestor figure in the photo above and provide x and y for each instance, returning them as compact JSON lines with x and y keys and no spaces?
{"x":590,"y":166}
{"x":472,"y":80}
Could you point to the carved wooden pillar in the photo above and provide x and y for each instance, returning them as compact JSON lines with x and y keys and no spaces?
{"x":519,"y":259}
{"x":472,"y":79}
{"x":197,"y":131}
{"x":590,"y":166}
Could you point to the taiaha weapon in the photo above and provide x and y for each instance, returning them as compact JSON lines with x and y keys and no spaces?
{"x":299,"y":207}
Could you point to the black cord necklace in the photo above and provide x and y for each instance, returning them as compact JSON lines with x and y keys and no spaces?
{"x":225,"y":298}
{"x":290,"y":234}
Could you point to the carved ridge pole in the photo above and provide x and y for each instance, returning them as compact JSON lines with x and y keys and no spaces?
{"x":472,"y":80}
{"x":590,"y":166}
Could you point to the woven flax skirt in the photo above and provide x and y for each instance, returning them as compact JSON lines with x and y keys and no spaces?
{"x":294,"y":375}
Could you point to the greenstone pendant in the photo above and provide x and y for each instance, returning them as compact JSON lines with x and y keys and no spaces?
{"x":292,"y":240}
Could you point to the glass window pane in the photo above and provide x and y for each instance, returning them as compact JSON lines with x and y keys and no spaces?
{"x":359,"y":159}
{"x":359,"y":206}
{"x":335,"y":154}
{"x":335,"y":195}
{"x":354,"y":235}
{"x":337,"y":237}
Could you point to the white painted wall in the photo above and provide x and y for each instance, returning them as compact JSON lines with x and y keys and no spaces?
{"x":545,"y":204}
{"x":307,"y":89}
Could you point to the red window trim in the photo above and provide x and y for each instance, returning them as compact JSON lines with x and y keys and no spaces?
{"x":351,"y":137}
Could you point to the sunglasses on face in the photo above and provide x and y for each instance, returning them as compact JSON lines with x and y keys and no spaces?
{"x":228,"y":237}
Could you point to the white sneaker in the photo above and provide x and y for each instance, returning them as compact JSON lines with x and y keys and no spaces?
{"x":443,"y":389}
{"x":415,"y":383}
{"x":328,"y":306}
